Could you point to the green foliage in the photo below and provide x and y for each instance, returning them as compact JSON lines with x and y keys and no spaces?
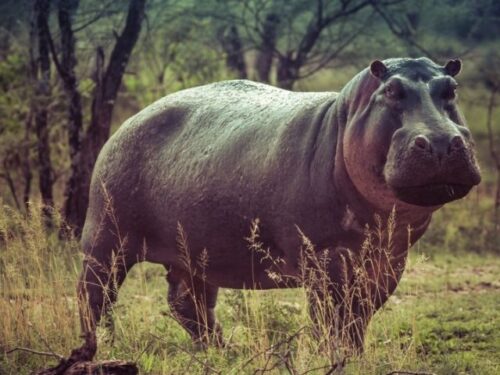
{"x":180,"y":52}
{"x":15,"y":94}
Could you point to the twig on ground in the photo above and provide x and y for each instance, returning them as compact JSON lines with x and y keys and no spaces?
{"x":403,"y":372}
{"x":47,"y":354}
{"x":329,"y":367}
{"x":274,"y":346}
{"x":142,"y":352}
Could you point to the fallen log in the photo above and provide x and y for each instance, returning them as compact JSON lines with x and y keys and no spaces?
{"x":95,"y":368}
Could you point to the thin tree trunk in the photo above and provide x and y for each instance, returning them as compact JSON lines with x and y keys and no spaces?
{"x":10,"y":183}
{"x":26,"y":165}
{"x":230,"y":40}
{"x":66,"y":8}
{"x":41,"y":9}
{"x":494,"y":153}
{"x":105,"y":95}
{"x":287,"y":72}
{"x":497,"y":203}
{"x":103,"y":104}
{"x":66,"y":68}
{"x":32,"y":73}
{"x":77,"y":188}
{"x":265,"y":55}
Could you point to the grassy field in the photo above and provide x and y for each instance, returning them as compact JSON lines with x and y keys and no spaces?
{"x":443,"y":319}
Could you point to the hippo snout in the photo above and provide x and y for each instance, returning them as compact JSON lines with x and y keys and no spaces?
{"x":432,"y":169}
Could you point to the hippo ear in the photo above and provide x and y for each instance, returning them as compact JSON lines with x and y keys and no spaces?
{"x":453,"y":67}
{"x":378,"y":69}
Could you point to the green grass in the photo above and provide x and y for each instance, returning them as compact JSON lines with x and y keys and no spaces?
{"x":443,"y":318}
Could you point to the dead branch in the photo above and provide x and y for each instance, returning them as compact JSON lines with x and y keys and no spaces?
{"x":399,"y":29}
{"x":112,"y":367}
{"x":330,"y":368}
{"x":10,"y":183}
{"x":287,"y":340}
{"x":103,"y":367}
{"x":37,"y":352}
{"x":402,"y":372}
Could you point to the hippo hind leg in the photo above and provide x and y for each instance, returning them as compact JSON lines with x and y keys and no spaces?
{"x":192,"y":302}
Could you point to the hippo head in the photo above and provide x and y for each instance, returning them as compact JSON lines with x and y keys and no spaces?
{"x":406,"y":142}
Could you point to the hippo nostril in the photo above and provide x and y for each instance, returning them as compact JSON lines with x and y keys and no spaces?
{"x":456,"y":143}
{"x":422,"y":142}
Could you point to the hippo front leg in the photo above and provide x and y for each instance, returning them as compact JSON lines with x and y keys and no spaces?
{"x":97,"y":292}
{"x":339,"y":320}
{"x":365,"y":287}
{"x":192,"y":302}
{"x":336,"y":306}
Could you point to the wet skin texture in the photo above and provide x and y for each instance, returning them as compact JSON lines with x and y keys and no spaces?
{"x":217,"y":157}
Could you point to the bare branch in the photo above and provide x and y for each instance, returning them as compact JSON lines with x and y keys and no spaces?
{"x":8,"y":178}
{"x":103,"y":12}
{"x":399,"y":30}
{"x":37,"y":352}
{"x":401,"y":372}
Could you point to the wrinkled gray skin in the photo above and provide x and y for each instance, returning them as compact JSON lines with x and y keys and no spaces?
{"x":216,"y":157}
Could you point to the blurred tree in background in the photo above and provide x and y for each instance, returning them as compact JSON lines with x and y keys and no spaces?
{"x":71,"y":71}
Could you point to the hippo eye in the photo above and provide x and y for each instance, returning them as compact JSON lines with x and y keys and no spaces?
{"x":394,"y":91}
{"x":450,"y":93}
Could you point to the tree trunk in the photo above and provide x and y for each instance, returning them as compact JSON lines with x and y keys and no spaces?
{"x":66,"y":9}
{"x":10,"y":182}
{"x":32,"y":73}
{"x":105,"y":94}
{"x":265,"y":54}
{"x":495,"y":155}
{"x":233,"y":47}
{"x":26,"y":165}
{"x":41,"y":9}
{"x":287,"y":72}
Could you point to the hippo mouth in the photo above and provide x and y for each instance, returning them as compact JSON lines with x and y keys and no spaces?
{"x":431,"y":195}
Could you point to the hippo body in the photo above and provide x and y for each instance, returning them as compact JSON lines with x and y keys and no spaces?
{"x":257,"y":152}
{"x":198,"y":168}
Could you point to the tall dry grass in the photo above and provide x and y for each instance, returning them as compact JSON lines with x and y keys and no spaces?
{"x":37,"y":293}
{"x":267,"y":332}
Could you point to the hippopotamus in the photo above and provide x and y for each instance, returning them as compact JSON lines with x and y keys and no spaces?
{"x":194,"y":180}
